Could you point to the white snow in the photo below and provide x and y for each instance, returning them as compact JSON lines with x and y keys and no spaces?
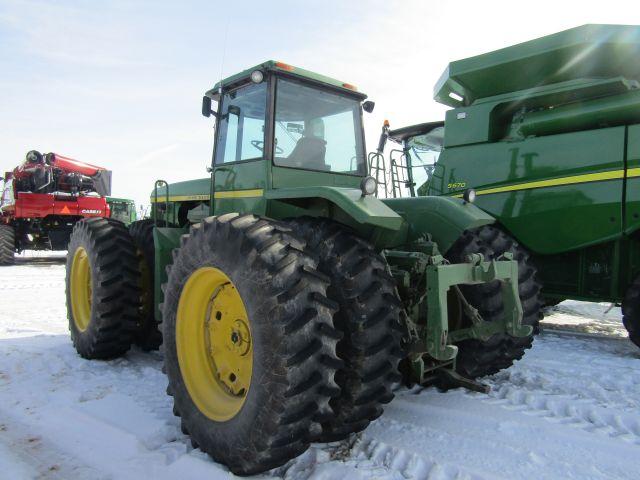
{"x":584,"y":317}
{"x":569,"y":409}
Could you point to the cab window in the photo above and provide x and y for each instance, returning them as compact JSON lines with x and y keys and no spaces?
{"x":241,"y":125}
{"x":424,"y":151}
{"x":317,"y":130}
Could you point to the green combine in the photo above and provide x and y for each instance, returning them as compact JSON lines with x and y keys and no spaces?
{"x":288,"y":298}
{"x":547,"y":133}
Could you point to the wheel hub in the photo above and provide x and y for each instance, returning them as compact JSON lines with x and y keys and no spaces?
{"x":214,"y":343}
{"x":229,"y":339}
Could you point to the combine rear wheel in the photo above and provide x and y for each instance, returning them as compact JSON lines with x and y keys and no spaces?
{"x":148,"y":336}
{"x":249,"y":342}
{"x":477,"y":358}
{"x":101,"y":288}
{"x":369,"y":319}
{"x":631,"y":311}
{"x":7,"y":245}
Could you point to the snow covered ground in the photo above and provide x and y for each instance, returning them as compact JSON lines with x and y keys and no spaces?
{"x":568,"y":410}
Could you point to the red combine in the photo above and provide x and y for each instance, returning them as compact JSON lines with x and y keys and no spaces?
{"x":44,"y":197}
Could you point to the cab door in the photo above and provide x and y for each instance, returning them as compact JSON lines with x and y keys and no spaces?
{"x":240,"y":169}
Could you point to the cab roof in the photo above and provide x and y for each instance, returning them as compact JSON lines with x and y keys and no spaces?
{"x":401,"y":134}
{"x":120,"y":200}
{"x":275,"y":66}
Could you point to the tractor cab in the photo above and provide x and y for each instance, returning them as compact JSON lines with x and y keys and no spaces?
{"x":122,"y":209}
{"x":274,"y":120}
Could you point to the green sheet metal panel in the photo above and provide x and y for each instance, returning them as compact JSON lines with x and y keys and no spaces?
{"x":597,"y":51}
{"x":240,"y":187}
{"x":441,"y":217}
{"x":553,"y":193}
{"x":187,"y":190}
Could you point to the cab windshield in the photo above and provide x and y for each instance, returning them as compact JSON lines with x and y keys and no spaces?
{"x":317,"y":130}
{"x":424,"y":151}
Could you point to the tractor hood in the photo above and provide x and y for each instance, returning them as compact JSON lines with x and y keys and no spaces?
{"x":366,"y":210}
{"x":445,"y":218}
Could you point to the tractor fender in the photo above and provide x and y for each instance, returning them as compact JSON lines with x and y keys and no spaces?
{"x":444,"y":218}
{"x":364,"y":209}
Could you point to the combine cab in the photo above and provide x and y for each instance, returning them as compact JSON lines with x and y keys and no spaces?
{"x":44,"y":197}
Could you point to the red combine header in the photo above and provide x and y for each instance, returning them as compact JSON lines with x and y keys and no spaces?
{"x":44,"y":197}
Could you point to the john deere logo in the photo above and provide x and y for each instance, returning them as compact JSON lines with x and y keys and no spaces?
{"x":90,"y":211}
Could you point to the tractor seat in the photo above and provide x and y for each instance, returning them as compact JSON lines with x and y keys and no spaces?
{"x":309,"y":152}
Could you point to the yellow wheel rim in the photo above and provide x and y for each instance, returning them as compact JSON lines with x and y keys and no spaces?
{"x":214,"y":344}
{"x":81,"y":289}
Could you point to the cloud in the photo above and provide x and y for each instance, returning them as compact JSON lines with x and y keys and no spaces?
{"x":155,"y":155}
{"x":93,"y":35}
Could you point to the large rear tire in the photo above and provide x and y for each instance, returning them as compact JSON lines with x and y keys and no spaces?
{"x":369,"y":311}
{"x":478,"y":358}
{"x":148,"y":336}
{"x":7,"y":245}
{"x":102,"y":288}
{"x":249,"y":342}
{"x":631,"y":311}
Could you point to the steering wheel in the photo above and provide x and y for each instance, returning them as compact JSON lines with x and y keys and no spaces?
{"x":259,"y":144}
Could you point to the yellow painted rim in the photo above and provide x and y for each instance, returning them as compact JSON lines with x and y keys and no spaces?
{"x":81,"y":288}
{"x":214,"y":344}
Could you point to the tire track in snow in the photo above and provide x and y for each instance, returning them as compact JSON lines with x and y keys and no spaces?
{"x":604,"y":399}
{"x":42,"y":456}
{"x":409,"y":464}
{"x":569,"y":410}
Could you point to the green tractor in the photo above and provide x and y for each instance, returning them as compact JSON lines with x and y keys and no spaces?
{"x":122,"y":209}
{"x":547,"y":134}
{"x":287,"y":296}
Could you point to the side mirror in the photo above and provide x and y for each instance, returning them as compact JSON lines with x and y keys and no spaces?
{"x":368,"y":106}
{"x":206,"y":107}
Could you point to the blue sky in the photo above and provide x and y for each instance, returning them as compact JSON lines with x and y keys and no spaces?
{"x":119,"y":83}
